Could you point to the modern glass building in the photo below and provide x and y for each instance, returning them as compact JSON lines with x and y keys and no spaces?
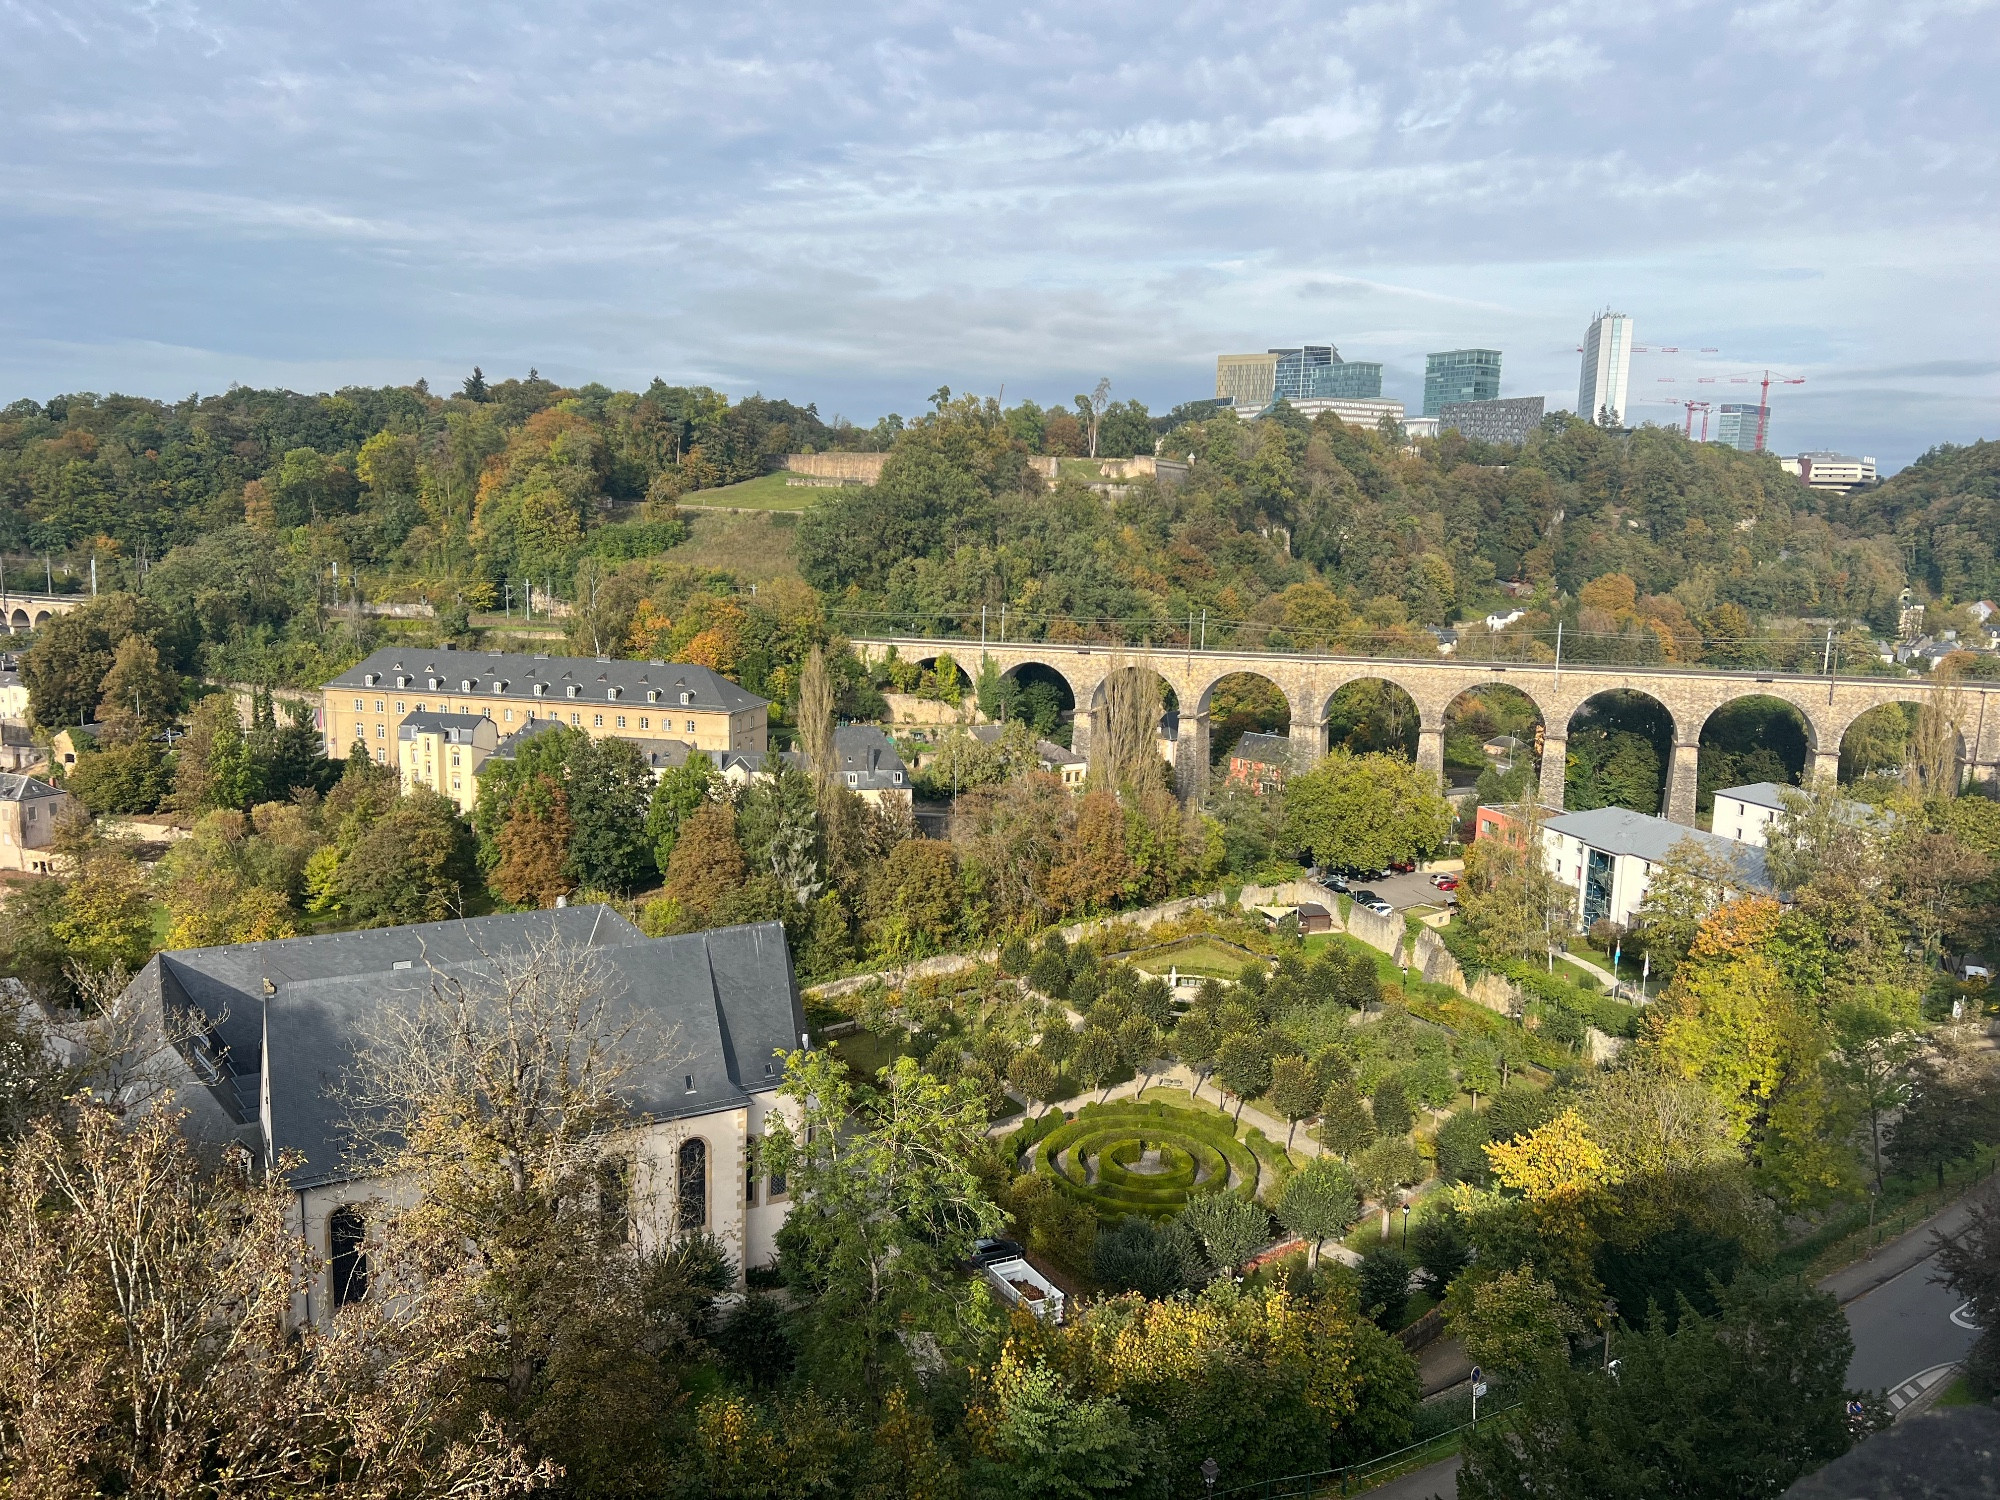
{"x":1736,"y":425}
{"x":1318,"y":371}
{"x":1607,"y":370}
{"x":1460,"y":375}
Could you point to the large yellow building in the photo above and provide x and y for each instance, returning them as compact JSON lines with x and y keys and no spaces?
{"x":637,"y":700}
{"x":444,"y":752}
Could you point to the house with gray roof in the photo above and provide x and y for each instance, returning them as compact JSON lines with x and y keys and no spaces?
{"x":268,"y":1033}
{"x":870,"y":766}
{"x":1746,"y":813}
{"x":1608,"y":854}
{"x":28,"y":812}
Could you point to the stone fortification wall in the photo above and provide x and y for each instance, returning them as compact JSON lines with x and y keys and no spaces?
{"x":845,"y":468}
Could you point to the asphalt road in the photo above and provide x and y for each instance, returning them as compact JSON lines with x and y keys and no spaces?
{"x":1903,"y":1327}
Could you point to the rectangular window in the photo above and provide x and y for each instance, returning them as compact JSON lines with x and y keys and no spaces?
{"x":597,"y":721}
{"x":399,"y":706}
{"x":357,"y":705}
{"x":507,"y":716}
{"x":690,"y":726}
{"x":576,"y":718}
{"x":621,"y":721}
{"x":378,"y":705}
{"x":378,"y":733}
{"x":644,"y":722}
{"x":750,"y":1172}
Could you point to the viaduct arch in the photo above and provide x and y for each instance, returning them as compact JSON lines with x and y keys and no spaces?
{"x":21,"y":614}
{"x":1828,"y":705}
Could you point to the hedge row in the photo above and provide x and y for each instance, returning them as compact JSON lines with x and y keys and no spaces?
{"x":1113,"y":1134}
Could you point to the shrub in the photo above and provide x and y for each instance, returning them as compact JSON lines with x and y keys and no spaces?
{"x":1385,"y":1286}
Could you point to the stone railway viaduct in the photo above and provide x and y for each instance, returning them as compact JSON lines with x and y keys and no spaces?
{"x":1690,"y":695}
{"x":22,"y":613}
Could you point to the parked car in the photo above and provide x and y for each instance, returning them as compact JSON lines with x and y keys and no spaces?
{"x":1402,"y":867}
{"x":990,"y":1252}
{"x":1447,"y":882}
{"x":1380,"y":907}
{"x":1366,"y":897}
{"x":1337,"y":883}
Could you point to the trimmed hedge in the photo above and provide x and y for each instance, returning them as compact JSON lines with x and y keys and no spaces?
{"x":1199,"y":1152}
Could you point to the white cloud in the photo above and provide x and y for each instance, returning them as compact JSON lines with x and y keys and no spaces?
{"x":851,"y":201}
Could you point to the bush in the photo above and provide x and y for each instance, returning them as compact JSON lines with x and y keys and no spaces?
{"x":1461,"y":1142}
{"x":1391,"y":1106}
{"x":1141,"y":1256}
{"x":1015,"y":957}
{"x":1385,"y":1286}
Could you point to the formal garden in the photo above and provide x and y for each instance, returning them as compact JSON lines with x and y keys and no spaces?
{"x":1132,"y":1157}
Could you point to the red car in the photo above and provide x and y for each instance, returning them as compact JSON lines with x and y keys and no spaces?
{"x":1447,"y":882}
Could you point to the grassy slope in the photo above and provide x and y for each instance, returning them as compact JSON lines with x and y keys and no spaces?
{"x":768,"y":492}
{"x":755,"y":547}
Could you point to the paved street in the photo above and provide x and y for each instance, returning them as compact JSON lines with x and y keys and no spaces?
{"x":1903,"y":1327}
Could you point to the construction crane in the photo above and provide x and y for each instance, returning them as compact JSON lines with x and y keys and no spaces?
{"x":1766,"y":381}
{"x":1691,"y":406}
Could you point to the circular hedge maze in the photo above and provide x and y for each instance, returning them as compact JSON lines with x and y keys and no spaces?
{"x":1132,"y":1158}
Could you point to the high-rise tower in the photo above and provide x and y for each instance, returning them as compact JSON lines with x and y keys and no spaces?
{"x":1460,"y":375}
{"x":1607,"y":369}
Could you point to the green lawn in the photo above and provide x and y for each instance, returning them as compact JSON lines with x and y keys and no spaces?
{"x":770,"y":492}
{"x":1195,"y":956}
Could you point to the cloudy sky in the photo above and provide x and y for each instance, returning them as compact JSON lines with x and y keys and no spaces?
{"x":854,"y":204}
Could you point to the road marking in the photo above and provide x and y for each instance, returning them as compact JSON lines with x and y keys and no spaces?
{"x":1917,"y":1384}
{"x":1962,"y":1316}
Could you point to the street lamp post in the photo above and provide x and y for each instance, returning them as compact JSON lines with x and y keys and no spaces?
{"x":1406,"y":1225}
{"x":1210,"y":1472}
{"x":1610,"y":1313}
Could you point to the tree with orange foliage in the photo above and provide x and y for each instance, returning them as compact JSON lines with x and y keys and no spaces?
{"x":534,"y":845}
{"x":1094,"y":870}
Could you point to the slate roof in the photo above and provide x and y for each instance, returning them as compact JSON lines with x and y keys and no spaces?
{"x":15,"y":788}
{"x":510,"y":674}
{"x":718,"y":1005}
{"x":1759,"y":794}
{"x":1264,"y":749}
{"x":868,"y":758}
{"x":1619,"y":830}
{"x":457,"y":729}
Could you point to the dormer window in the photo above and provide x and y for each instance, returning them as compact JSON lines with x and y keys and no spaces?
{"x":541,"y":689}
{"x":687,"y":698}
{"x":614,"y":692}
{"x":369,"y":679}
{"x":435,"y":683}
{"x":652,"y":695}
{"x":853,"y":779}
{"x":899,"y":778}
{"x":573,"y":690}
{"x":465,"y":685}
{"x":402,"y":682}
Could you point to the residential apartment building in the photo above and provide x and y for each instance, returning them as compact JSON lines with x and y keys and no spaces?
{"x":1607,"y":857}
{"x":263,"y":1034}
{"x":637,"y":700}
{"x":1607,"y":369}
{"x":444,"y":752}
{"x":1460,"y":375}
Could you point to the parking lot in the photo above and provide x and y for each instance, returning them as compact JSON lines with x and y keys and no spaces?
{"x":1402,"y":891}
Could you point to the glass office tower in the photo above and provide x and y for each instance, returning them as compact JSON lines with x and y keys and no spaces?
{"x":1460,"y":375}
{"x":1736,"y":425}
{"x":1317,"y":370}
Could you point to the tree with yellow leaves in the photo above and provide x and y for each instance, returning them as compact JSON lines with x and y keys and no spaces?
{"x":1730,"y":1020}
